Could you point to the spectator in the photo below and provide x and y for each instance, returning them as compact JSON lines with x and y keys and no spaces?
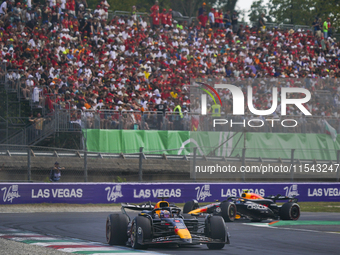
{"x":38,"y":125}
{"x":227,"y":19}
{"x":178,"y":117}
{"x":261,"y":23}
{"x":155,"y":19}
{"x":27,"y":87}
{"x":179,"y":25}
{"x":164,"y":18}
{"x":319,"y":31}
{"x":169,"y":18}
{"x":201,"y":9}
{"x":316,"y":25}
{"x":17,"y":13}
{"x":325,"y":29}
{"x":134,"y":13}
{"x":55,"y":173}
{"x":88,"y":64}
{"x":218,"y":19}
{"x":4,"y":8}
{"x":155,"y":7}
{"x":234,"y":21}
{"x":212,"y":17}
{"x":329,"y":25}
{"x":160,"y":108}
{"x":203,"y":19}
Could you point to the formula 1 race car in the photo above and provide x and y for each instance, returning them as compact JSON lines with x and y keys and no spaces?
{"x":164,"y":223}
{"x":250,"y":206}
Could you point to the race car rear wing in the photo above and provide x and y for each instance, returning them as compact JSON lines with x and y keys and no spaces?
{"x":147,"y":206}
{"x":141,"y":207}
{"x":291,"y":199}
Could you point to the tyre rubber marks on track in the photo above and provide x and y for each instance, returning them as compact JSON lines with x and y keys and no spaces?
{"x":70,"y":245}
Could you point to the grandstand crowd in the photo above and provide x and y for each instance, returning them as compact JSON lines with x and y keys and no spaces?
{"x":69,"y":56}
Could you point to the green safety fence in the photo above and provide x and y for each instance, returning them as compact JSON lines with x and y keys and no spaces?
{"x":227,"y":144}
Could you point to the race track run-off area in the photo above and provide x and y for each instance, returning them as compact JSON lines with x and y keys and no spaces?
{"x":70,"y":245}
{"x":84,"y":233}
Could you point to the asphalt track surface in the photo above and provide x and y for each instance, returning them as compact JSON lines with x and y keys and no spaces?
{"x":245,"y":239}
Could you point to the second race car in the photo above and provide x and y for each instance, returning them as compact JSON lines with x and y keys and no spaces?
{"x":250,"y":205}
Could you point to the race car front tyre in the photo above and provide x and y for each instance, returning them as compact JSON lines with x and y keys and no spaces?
{"x":116,"y":229}
{"x":140,"y":225}
{"x":228,"y":211}
{"x":189,"y":206}
{"x":216,"y":230}
{"x":215,"y":246}
{"x":290,"y":211}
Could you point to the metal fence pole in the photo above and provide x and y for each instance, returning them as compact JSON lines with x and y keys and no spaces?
{"x":194,"y":164}
{"x":244,"y":163}
{"x":163,"y":120}
{"x":85,"y":165}
{"x":292,"y":164}
{"x":28,"y":163}
{"x":338,"y":162}
{"x":56,"y":121}
{"x":85,"y":158}
{"x":140,"y":172}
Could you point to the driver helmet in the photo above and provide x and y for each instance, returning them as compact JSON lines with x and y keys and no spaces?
{"x":164,"y":214}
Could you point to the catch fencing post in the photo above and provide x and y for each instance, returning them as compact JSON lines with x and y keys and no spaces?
{"x":28,"y":163}
{"x":292,"y":165}
{"x":85,"y":157}
{"x":85,"y":165}
{"x":338,"y":162}
{"x":140,"y":172}
{"x":244,"y":164}
{"x":163,"y":120}
{"x":194,"y":164}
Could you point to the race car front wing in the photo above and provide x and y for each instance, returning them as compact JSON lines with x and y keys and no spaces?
{"x":195,"y":239}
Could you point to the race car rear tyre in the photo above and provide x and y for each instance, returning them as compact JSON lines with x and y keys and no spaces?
{"x":228,"y":211}
{"x":216,"y":230}
{"x":116,"y":229}
{"x":189,"y":206}
{"x":290,"y":211}
{"x":140,"y":224}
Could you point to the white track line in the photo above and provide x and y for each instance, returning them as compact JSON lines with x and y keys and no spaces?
{"x":266,"y":225}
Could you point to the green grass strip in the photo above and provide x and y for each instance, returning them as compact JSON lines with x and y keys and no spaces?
{"x":304,"y":222}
